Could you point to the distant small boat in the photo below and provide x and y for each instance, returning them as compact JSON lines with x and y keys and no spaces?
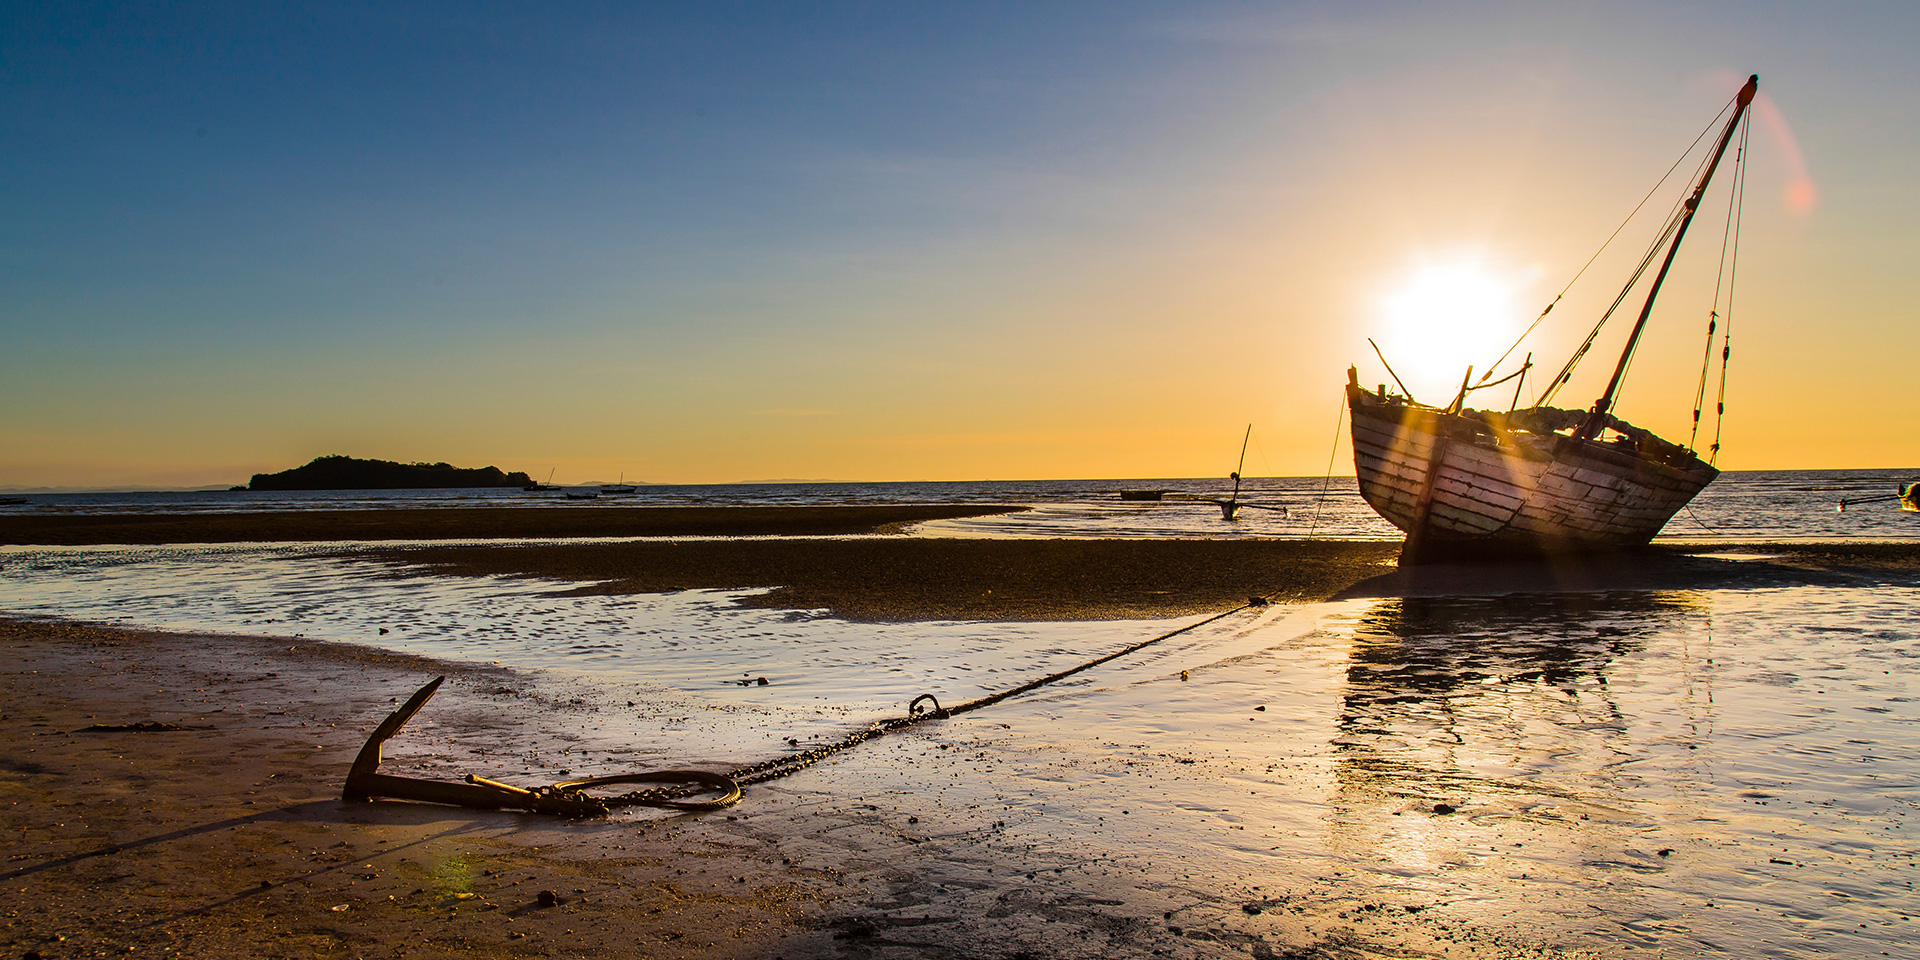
{"x":1463,"y":482}
{"x":1228,"y":507}
{"x":543,"y":485}
{"x":622,"y":487}
{"x":12,"y":501}
{"x":583,"y":494}
{"x":1232,"y":504}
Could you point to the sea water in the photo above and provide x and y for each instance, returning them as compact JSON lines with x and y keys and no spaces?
{"x":1727,"y":772}
{"x":1775,"y":504}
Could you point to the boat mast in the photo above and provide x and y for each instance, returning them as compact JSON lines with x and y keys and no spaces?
{"x":1226,"y":509}
{"x":1597,"y":419}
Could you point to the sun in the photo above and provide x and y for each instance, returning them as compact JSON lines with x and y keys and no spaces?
{"x":1440,"y":316}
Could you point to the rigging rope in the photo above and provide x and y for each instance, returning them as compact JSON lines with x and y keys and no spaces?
{"x":1720,"y":278}
{"x":1681,"y":214}
{"x":1603,"y":247}
{"x":1702,"y":523}
{"x":1331,"y":454}
{"x":1733,"y":270}
{"x":1263,"y":454}
{"x":1706,"y":363}
{"x":1674,"y":218}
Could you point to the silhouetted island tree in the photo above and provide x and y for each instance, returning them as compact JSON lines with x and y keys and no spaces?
{"x":347,"y":473}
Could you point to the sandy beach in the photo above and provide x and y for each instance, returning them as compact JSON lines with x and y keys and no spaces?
{"x":226,"y":837}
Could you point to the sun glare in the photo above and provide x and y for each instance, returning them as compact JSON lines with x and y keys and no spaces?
{"x":1442,"y":316}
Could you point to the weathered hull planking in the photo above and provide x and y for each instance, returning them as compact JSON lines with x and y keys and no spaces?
{"x":1475,"y":483}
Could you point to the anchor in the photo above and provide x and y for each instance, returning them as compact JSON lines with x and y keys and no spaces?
{"x":567,"y":798}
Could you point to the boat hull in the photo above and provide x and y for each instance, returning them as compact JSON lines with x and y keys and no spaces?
{"x":1464,"y":486}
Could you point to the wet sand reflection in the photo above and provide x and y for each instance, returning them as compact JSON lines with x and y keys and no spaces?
{"x":1444,"y":695}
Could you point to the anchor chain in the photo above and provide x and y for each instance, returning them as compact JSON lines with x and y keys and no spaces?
{"x":779,"y":767}
{"x":568,"y":798}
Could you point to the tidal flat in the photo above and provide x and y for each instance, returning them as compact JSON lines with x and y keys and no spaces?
{"x":1704,"y":752}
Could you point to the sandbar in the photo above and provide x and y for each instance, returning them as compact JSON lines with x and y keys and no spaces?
{"x":911,"y":578}
{"x":473,"y":523}
{"x":915,"y":578}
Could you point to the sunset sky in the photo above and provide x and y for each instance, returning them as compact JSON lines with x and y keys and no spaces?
{"x":715,"y":242}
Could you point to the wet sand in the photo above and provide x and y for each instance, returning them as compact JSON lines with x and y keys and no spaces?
{"x":227,"y":838}
{"x":473,"y":523}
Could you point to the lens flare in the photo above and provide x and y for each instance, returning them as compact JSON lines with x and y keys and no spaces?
{"x":1444,"y":315}
{"x":1802,"y":195}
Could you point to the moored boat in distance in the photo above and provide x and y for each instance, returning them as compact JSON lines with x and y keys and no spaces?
{"x":1465,"y":483}
{"x":543,"y":485}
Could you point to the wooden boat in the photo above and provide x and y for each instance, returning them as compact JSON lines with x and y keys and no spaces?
{"x":1229,"y":506}
{"x":1232,"y":505}
{"x":1465,"y":483}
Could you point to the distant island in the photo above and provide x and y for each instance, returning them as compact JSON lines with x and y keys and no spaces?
{"x":347,"y":473}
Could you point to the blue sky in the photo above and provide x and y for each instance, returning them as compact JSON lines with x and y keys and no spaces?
{"x":716,"y":242}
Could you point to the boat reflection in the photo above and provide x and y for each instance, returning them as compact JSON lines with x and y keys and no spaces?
{"x":1497,"y":709}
